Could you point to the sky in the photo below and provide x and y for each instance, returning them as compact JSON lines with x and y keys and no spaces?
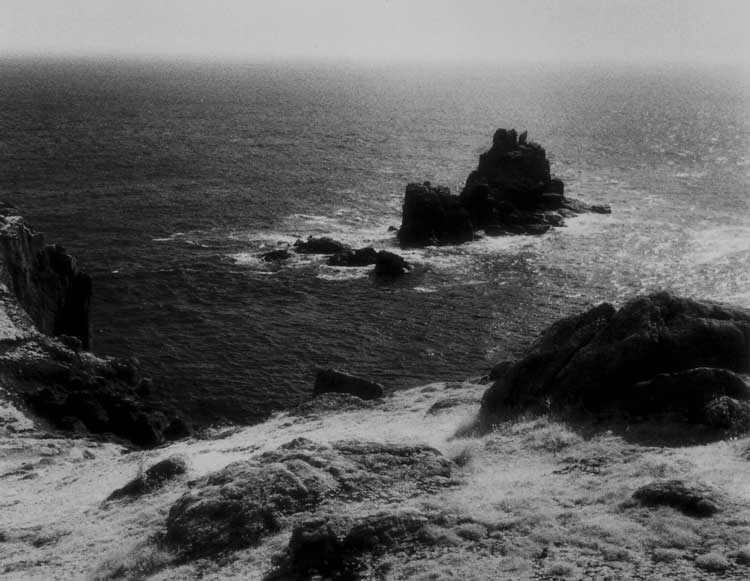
{"x":693,"y":31}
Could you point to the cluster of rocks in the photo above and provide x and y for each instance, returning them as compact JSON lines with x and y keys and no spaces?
{"x":43,"y":360}
{"x":510,"y":192}
{"x":386,"y":263}
{"x":657,"y":354}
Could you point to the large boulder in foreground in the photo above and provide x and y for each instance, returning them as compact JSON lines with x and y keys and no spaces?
{"x":510,"y":192}
{"x":658,"y":353}
{"x":237,"y":506}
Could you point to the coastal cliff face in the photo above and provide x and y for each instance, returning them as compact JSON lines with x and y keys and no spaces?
{"x":45,"y":279}
{"x":45,"y":327}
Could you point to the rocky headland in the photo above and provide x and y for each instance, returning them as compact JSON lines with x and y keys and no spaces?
{"x":616,"y":447}
{"x":45,"y":333}
{"x":510,"y":192}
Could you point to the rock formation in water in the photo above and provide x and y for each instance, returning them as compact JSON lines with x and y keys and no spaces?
{"x":44,"y":295}
{"x":334,"y":381}
{"x":510,"y":192}
{"x":657,"y":354}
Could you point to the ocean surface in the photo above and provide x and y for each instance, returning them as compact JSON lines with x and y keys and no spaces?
{"x":168,"y":179}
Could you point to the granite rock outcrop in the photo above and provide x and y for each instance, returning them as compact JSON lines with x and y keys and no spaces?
{"x":510,"y":192}
{"x":658,"y":353}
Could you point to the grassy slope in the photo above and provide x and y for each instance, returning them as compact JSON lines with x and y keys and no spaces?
{"x":532,"y":500}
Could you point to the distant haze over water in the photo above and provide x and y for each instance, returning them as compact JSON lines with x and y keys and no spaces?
{"x":167,"y":180}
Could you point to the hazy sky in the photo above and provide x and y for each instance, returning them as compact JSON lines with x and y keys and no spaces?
{"x":389,"y":30}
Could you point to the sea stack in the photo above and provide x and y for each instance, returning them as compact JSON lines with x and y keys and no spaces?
{"x":510,"y":192}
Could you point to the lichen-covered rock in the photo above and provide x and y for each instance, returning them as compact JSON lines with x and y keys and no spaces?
{"x":334,"y":545}
{"x":153,"y":478}
{"x":657,"y":353}
{"x":334,"y":381}
{"x":238,"y":505}
{"x":694,"y":499}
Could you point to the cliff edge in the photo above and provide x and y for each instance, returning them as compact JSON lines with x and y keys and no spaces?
{"x":45,"y":329}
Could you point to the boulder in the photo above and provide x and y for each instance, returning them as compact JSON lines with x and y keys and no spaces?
{"x":657,"y":353}
{"x":152,"y":479}
{"x":390,"y":264}
{"x":360,"y":257}
{"x":333,"y":545}
{"x":276,"y":255}
{"x":237,"y":506}
{"x":334,"y":381}
{"x":693,"y":499}
{"x":321,"y":245}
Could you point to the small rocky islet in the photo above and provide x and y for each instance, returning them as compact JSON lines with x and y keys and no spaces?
{"x":372,"y":508}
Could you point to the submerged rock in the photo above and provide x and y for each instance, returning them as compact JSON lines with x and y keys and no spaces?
{"x":321,"y":245}
{"x":238,"y":505}
{"x":360,"y":257}
{"x":276,"y":255}
{"x":510,"y":192}
{"x":334,"y":381}
{"x":693,"y":499}
{"x":657,"y":353}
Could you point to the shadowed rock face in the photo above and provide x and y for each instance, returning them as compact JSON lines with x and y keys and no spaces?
{"x":44,"y":363}
{"x":657,"y":353}
{"x":45,"y":279}
{"x":510,"y":192}
{"x":238,"y":505}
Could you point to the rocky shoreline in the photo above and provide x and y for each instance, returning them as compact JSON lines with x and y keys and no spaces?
{"x":616,"y":447}
{"x":45,"y":366}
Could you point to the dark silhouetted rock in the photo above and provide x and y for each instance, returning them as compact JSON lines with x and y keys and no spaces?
{"x":334,"y":545}
{"x":153,"y":478}
{"x":690,"y":498}
{"x":689,"y":391}
{"x":360,"y":257}
{"x":390,"y":264}
{"x":102,"y":394}
{"x":238,"y":505}
{"x":321,"y":245}
{"x":727,"y":413}
{"x":333,"y":381}
{"x":657,"y":353}
{"x":45,"y":279}
{"x":431,"y":215}
{"x":510,"y":192}
{"x":276,"y":255}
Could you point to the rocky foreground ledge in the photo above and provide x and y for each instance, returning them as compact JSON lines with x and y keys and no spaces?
{"x":510,"y":192}
{"x":45,"y":330}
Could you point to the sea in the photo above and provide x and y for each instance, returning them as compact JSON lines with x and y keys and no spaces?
{"x":168,"y":179}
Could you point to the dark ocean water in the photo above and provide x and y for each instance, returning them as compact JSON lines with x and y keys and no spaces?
{"x":167,"y":179}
